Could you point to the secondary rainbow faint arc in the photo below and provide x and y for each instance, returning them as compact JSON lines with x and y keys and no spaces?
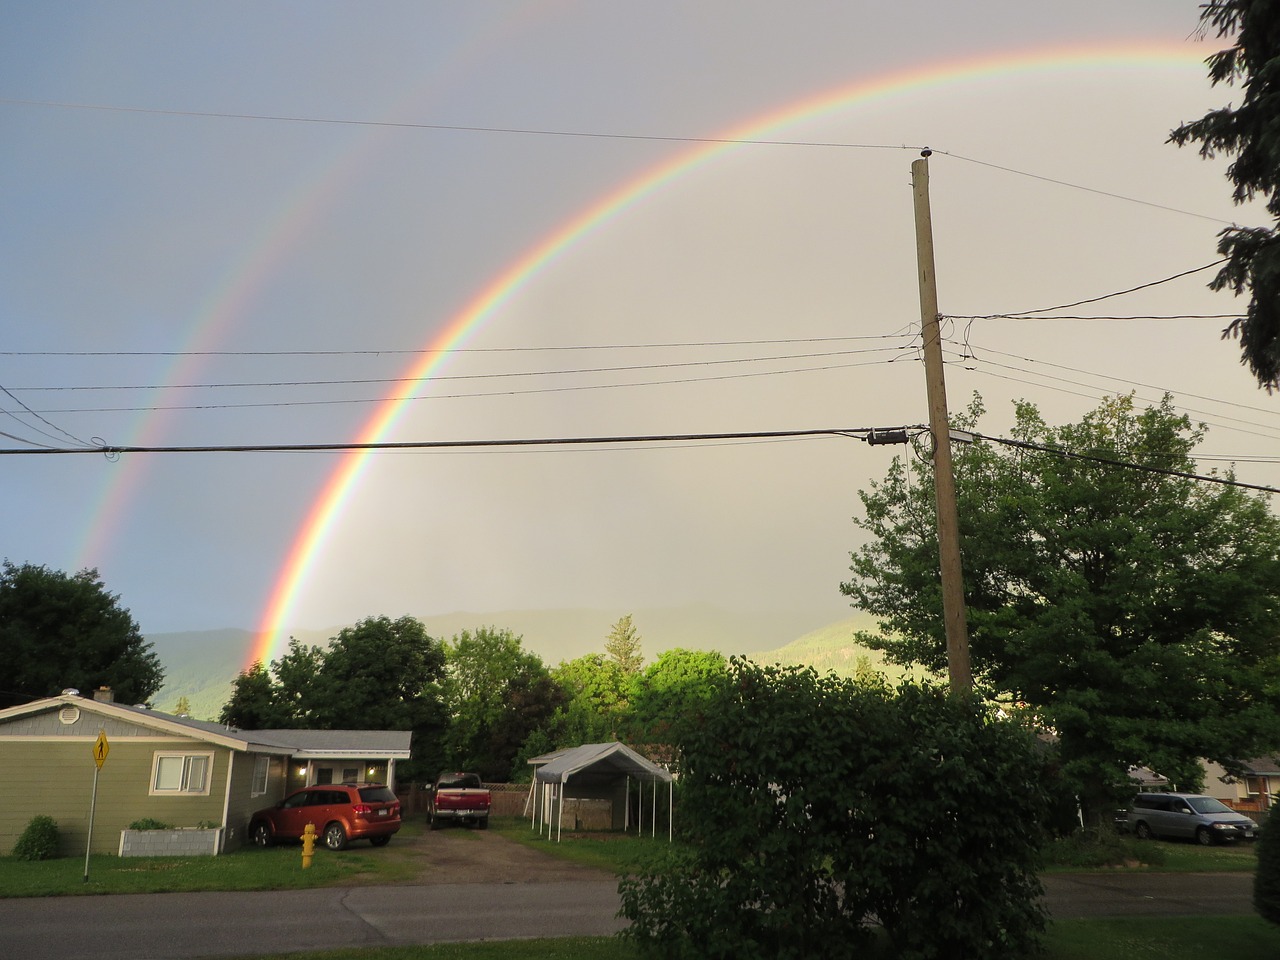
{"x":325,"y":509}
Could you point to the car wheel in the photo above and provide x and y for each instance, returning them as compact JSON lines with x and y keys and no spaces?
{"x":335,"y":838}
{"x":1204,"y":836}
{"x":260,"y":835}
{"x":483,"y":823}
{"x":432,"y":822}
{"x":379,"y":841}
{"x":1142,"y":830}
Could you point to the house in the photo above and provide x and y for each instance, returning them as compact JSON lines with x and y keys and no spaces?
{"x":176,"y":770}
{"x":1256,"y":791}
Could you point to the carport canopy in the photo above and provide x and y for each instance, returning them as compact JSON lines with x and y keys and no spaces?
{"x":599,"y":761}
{"x":596,"y":763}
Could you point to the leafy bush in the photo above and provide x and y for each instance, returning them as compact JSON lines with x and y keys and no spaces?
{"x":150,"y":823}
{"x":817,"y":808}
{"x":1266,"y":882}
{"x":39,"y":841}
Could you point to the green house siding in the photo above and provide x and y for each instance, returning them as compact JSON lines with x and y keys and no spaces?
{"x":242,"y":803}
{"x":57,"y":780}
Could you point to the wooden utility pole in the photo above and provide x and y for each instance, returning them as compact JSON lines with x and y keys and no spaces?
{"x":944,"y":483}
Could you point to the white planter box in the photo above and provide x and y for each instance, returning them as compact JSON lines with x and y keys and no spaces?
{"x":185,"y":842}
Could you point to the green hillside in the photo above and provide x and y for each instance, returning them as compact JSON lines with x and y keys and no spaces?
{"x":833,"y":649}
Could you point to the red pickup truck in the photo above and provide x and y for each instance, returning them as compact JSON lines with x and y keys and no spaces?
{"x":459,"y":797}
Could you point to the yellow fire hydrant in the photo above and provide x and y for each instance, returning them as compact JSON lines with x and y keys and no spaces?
{"x":308,"y":844}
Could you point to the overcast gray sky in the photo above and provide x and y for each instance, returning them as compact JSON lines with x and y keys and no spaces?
{"x":200,"y":195}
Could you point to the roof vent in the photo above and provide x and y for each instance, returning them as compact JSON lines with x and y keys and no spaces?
{"x":69,"y":714}
{"x":70,"y":692}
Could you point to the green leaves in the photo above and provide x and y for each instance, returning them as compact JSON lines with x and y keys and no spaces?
{"x":1248,"y":132}
{"x":59,"y":630}
{"x":811,"y":805}
{"x":1130,"y":610}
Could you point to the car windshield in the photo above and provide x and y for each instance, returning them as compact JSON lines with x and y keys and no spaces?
{"x":377,"y":794}
{"x":1208,"y":805}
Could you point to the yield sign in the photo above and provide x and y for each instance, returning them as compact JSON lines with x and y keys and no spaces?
{"x":101,"y":748}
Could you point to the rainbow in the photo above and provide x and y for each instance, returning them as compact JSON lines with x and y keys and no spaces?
{"x":327,"y":508}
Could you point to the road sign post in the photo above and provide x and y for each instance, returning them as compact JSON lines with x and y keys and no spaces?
{"x":100,"y":750}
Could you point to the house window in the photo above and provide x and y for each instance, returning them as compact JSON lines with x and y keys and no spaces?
{"x":350,"y":774}
{"x":261,"y":769}
{"x":178,"y":773}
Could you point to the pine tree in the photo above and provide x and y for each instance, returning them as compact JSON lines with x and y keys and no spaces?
{"x":1247,"y":131}
{"x":623,"y":647}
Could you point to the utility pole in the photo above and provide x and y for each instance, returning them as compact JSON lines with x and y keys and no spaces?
{"x":944,"y":483}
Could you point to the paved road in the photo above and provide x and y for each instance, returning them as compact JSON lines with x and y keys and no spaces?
{"x":1073,"y":895}
{"x":170,"y":926}
{"x":181,"y":926}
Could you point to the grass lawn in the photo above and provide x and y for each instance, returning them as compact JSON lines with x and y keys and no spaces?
{"x":276,"y":868}
{"x":1164,"y":856}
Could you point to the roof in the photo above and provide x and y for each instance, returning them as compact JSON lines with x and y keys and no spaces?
{"x":1263,"y":767}
{"x":596,"y":761}
{"x":303,"y":744}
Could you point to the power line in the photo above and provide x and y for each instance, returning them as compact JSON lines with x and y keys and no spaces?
{"x":593,"y":135}
{"x":452,"y":127}
{"x":1076,"y":186}
{"x":1129,"y":465}
{"x":263,"y":404}
{"x":432,"y":350}
{"x":1025,"y":314}
{"x":856,"y":433}
{"x":470,"y":376}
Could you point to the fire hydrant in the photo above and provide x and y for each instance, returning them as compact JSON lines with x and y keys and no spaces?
{"x":308,"y":844}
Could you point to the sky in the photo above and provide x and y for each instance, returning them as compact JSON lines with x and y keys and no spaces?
{"x":239,"y":224}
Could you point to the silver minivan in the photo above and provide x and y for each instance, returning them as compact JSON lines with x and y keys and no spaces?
{"x":1190,"y":816}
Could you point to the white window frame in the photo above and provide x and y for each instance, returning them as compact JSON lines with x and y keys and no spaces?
{"x":261,"y":776}
{"x":188,"y":759}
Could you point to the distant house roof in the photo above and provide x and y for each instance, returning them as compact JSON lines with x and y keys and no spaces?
{"x":302,"y":744}
{"x":1263,"y":767}
{"x":596,"y":761}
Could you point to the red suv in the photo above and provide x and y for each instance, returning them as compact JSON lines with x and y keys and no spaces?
{"x":340,"y":811}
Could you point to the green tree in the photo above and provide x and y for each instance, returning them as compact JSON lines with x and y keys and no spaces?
{"x":821,"y":802}
{"x":1248,"y":133}
{"x":59,"y":630}
{"x":380,"y":674}
{"x":1133,"y":611}
{"x":623,"y":647}
{"x":255,"y":703}
{"x":671,"y":691}
{"x":497,"y":694}
{"x":594,"y":707}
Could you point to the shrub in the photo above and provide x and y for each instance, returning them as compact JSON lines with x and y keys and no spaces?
{"x":1266,"y":882}
{"x":150,"y":823}
{"x":39,"y":841}
{"x":817,"y":803}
